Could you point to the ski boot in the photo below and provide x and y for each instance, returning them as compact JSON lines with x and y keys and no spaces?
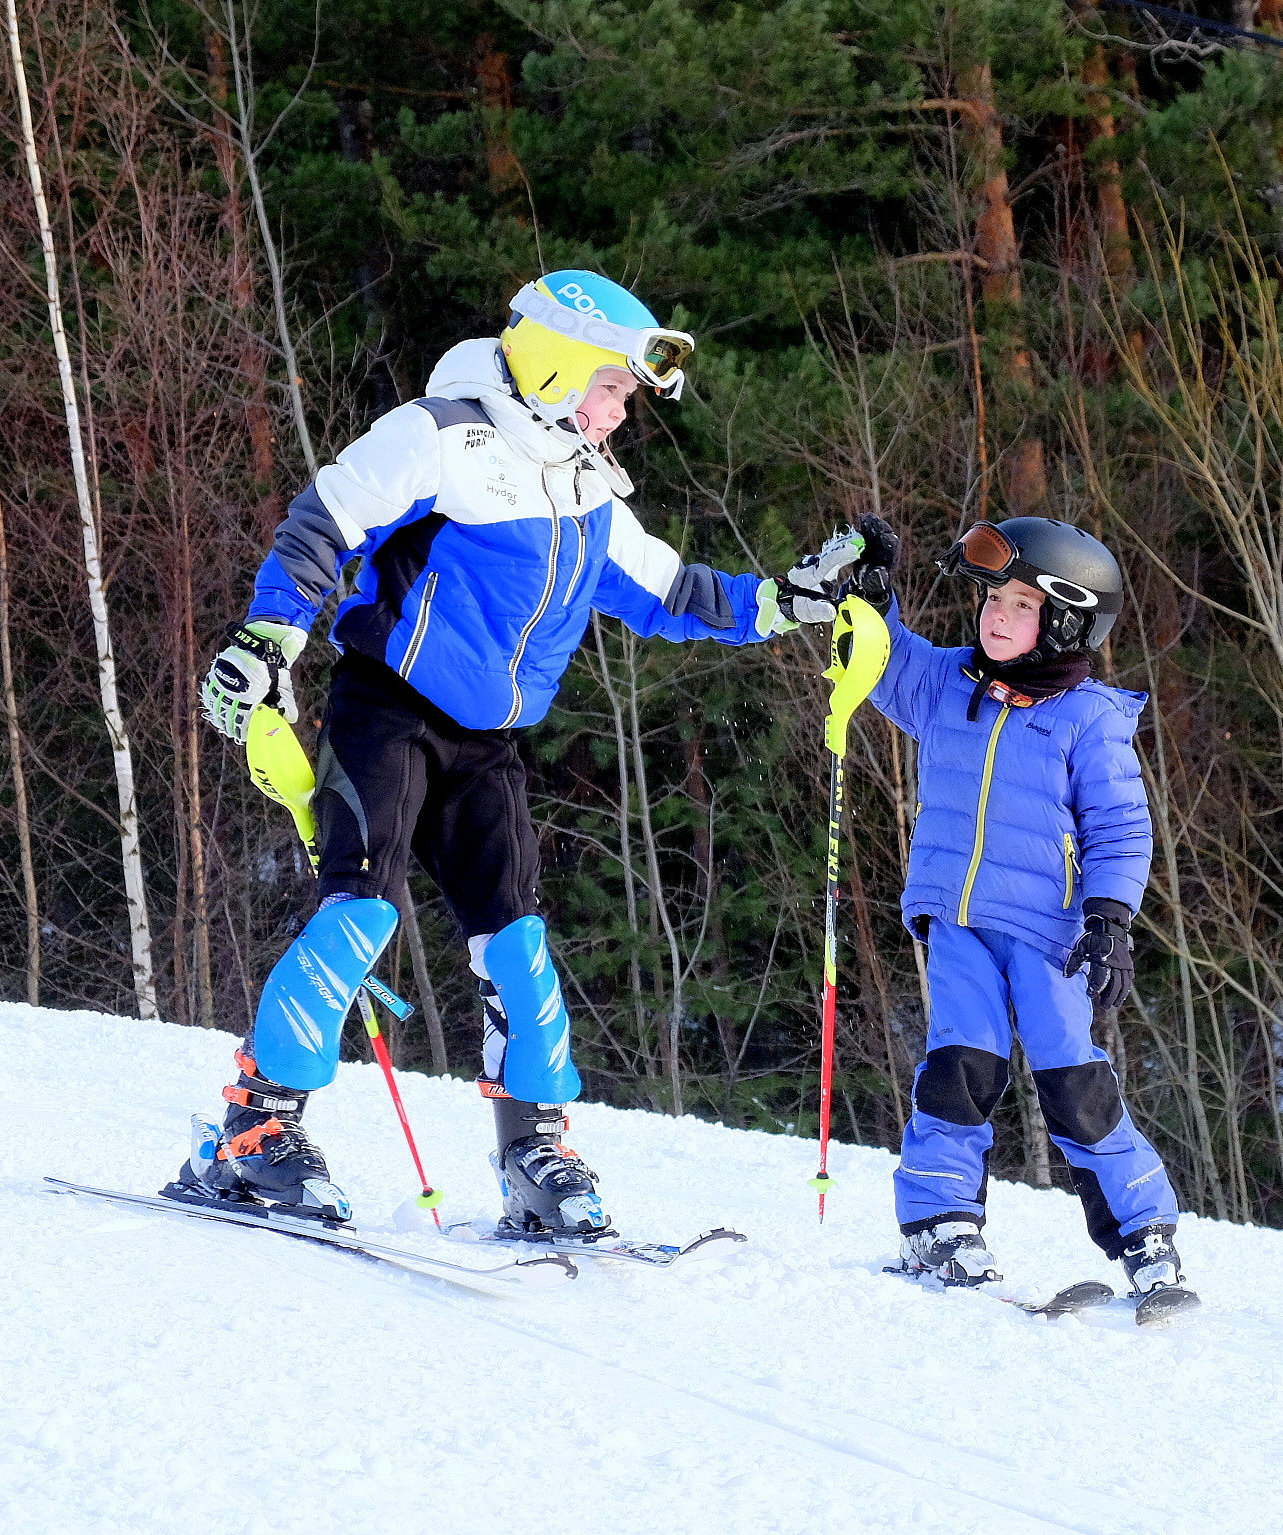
{"x":1151,"y":1262}
{"x":1154,"y":1267}
{"x":952,"y":1250}
{"x":548,"y":1193}
{"x":262,"y":1154}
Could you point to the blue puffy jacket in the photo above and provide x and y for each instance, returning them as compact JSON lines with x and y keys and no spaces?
{"x":486,"y":542}
{"x":1024,"y":812}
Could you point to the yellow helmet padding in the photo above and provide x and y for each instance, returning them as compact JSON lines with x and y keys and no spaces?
{"x":555,"y":370}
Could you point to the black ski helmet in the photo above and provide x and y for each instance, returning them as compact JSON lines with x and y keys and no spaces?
{"x":1080,"y":578}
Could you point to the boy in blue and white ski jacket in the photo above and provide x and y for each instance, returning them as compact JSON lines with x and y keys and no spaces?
{"x":1030,"y":855}
{"x":490,"y":523}
{"x":486,"y":542}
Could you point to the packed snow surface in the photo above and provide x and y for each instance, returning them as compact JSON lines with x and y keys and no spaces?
{"x":159,"y":1374}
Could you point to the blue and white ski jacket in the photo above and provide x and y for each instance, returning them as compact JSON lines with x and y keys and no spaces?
{"x":486,"y":543}
{"x":1024,"y":812}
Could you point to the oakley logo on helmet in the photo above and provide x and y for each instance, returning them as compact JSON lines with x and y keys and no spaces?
{"x":580,"y":300}
{"x":1068,"y":591}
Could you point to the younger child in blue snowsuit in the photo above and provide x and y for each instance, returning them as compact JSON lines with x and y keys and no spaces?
{"x":1030,"y":854}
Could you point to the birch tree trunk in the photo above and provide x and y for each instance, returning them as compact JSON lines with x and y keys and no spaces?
{"x":19,"y":781}
{"x":131,"y":855}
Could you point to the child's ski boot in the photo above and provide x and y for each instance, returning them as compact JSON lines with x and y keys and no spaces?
{"x":952,"y":1250}
{"x":262,"y":1153}
{"x":548,"y":1192}
{"x":1154,"y":1267}
{"x":1150,"y":1259}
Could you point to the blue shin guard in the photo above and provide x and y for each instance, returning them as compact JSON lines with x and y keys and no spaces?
{"x":306,"y":998}
{"x":536,"y":1066}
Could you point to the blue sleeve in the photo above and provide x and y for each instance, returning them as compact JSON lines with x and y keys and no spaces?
{"x":644,"y":583}
{"x":910,"y":686}
{"x":1107,"y":794}
{"x":303,"y":567}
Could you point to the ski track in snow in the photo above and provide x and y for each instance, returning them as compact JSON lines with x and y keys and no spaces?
{"x":160,"y":1376}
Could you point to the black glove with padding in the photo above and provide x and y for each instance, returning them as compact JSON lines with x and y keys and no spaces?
{"x":1106,"y":949}
{"x":874,"y":572}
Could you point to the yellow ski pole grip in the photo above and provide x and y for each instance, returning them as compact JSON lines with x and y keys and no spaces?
{"x":861,"y":650}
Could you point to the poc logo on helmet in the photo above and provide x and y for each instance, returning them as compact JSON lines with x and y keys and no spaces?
{"x":1068,"y":591}
{"x":580,"y":300}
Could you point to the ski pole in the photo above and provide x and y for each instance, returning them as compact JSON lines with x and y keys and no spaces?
{"x":279,"y":766}
{"x":860,"y":652}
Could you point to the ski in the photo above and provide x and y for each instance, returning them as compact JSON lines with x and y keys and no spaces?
{"x":1156,"y":1309}
{"x":1086,"y":1295}
{"x":1067,"y":1302}
{"x":537,"y":1272}
{"x":656,"y":1255}
{"x":1164,"y":1305}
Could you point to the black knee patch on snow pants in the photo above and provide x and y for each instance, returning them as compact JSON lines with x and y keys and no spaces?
{"x":1080,"y":1103}
{"x":960,"y":1085}
{"x":1083,"y":1104}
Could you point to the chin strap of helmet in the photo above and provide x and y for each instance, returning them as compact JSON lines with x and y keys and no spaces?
{"x":601,"y":458}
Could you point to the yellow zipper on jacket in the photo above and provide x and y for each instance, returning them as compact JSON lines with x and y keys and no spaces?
{"x":1071,"y":868}
{"x":986,"y":783}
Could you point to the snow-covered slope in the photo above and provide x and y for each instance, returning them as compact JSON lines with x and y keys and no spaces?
{"x":160,"y":1376}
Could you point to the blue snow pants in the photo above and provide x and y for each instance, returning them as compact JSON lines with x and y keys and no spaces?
{"x":977,"y":978}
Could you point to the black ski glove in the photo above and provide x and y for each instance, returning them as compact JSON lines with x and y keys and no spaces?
{"x":1106,"y":949}
{"x":875,"y":570}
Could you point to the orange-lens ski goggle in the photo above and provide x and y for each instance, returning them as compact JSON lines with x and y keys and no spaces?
{"x":982,"y":552}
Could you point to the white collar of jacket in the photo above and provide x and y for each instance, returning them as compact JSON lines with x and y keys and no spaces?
{"x":474,"y":370}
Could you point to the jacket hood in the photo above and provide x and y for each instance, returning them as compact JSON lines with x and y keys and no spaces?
{"x":1128,"y":704}
{"x":474,"y":370}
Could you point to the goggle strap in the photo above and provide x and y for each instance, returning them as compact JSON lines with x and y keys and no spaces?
{"x":598,"y":332}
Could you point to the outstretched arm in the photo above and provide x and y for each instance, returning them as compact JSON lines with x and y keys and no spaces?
{"x":645,"y":583}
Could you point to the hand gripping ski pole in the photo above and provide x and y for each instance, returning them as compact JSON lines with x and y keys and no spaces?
{"x":861,"y":650}
{"x":279,"y":766}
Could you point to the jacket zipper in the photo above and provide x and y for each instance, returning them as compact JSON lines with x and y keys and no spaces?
{"x":982,"y":807}
{"x":1071,"y":868}
{"x":420,"y":628}
{"x":549,"y":586}
{"x":579,"y":562}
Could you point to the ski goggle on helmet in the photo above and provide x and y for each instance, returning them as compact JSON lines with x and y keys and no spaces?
{"x":567,"y":325}
{"x":1079,"y":577}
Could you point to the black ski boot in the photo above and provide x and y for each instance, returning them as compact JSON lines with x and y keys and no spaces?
{"x":547,"y":1191}
{"x":262,"y":1153}
{"x":952,"y":1250}
{"x":1154,"y":1267}
{"x":1151,"y":1262}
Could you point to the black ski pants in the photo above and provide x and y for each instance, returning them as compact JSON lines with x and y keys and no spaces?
{"x":395,"y":776}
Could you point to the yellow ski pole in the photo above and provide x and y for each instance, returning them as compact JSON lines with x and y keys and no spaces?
{"x":279,"y":766}
{"x":861,"y":650}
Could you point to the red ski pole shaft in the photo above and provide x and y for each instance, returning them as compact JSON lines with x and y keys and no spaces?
{"x":430,"y":1196}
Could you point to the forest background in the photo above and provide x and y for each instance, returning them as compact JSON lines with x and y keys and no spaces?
{"x":944,"y":261}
